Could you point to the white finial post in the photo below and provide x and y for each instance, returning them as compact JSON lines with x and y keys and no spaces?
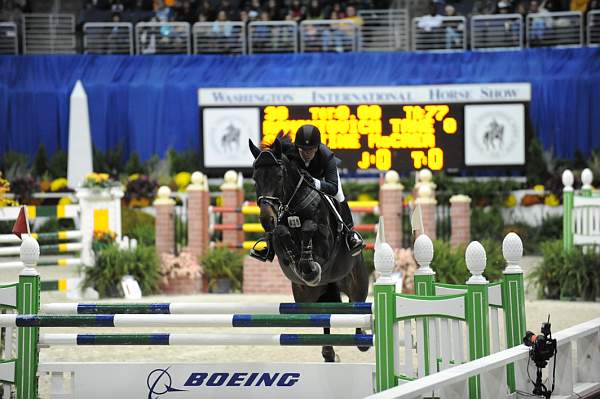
{"x":384,"y":312}
{"x":568,"y":202}
{"x":586,"y":178}
{"x":424,"y":255}
{"x":512,"y":250}
{"x":567,"y":180}
{"x":476,"y":258}
{"x":29,"y":254}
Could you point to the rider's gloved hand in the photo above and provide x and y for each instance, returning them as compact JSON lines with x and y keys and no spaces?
{"x":317,"y":183}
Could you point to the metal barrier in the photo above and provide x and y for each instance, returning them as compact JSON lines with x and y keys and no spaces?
{"x":108,"y":38}
{"x":439,"y":33}
{"x":384,"y":30}
{"x":555,"y":29}
{"x":502,"y":31}
{"x":49,"y":34}
{"x":272,"y":37}
{"x":329,"y":35}
{"x":9,"y":38}
{"x":593,"y":28}
{"x":219,"y":37}
{"x":162,"y":38}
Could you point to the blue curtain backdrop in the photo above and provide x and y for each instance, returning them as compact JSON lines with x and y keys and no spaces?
{"x":151,"y":103}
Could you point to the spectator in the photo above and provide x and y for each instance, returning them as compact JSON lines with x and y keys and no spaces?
{"x":296,"y":11}
{"x":244,"y":17}
{"x":208,"y":10}
{"x":483,"y":7}
{"x":553,"y":5}
{"x":333,"y":35}
{"x":262,"y":33}
{"x":453,"y":29}
{"x":430,"y":21}
{"x":314,"y":10}
{"x":522,"y":10}
{"x":10,"y":12}
{"x":185,"y":12}
{"x":579,"y":5}
{"x":255,"y":6}
{"x":222,"y":29}
{"x":116,"y":6}
{"x":538,"y":26}
{"x":593,"y":5}
{"x":274,"y":10}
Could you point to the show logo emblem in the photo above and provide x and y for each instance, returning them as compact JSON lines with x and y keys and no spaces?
{"x":159,"y":382}
{"x":230,"y":139}
{"x":497,"y":134}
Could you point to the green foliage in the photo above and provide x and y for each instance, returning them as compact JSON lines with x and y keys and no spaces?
{"x":223,"y":263}
{"x":368,"y":259}
{"x":567,"y":275}
{"x":6,"y":226}
{"x":134,"y":165}
{"x":487,"y":224}
{"x":482,"y":192}
{"x":58,"y":164}
{"x":186,"y":161}
{"x":110,"y":162}
{"x":52,"y":225}
{"x":352,"y":189}
{"x":450,"y":266}
{"x":536,"y":168}
{"x":15,"y":165}
{"x":23,"y":188}
{"x":134,"y":221}
{"x":40,"y":162}
{"x":112,"y":264}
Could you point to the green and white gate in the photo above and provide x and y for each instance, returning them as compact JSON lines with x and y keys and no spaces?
{"x":581,"y":213}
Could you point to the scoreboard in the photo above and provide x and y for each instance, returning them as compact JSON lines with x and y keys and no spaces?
{"x":383,"y":137}
{"x":407,"y":128}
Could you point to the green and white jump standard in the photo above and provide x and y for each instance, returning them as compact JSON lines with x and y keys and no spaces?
{"x":581,"y":213}
{"x":446,"y":324}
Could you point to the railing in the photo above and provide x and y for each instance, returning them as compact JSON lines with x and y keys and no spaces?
{"x":491,"y":32}
{"x":219,"y":38}
{"x":593,"y":28}
{"x":578,"y":374}
{"x":9,"y":38}
{"x":272,"y":37}
{"x":108,"y":38}
{"x":162,"y":38}
{"x":555,"y":29}
{"x":328,"y":35}
{"x":384,"y":30}
{"x":49,"y":33}
{"x":439,"y":33}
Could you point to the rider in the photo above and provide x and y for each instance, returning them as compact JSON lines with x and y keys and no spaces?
{"x":320,"y":163}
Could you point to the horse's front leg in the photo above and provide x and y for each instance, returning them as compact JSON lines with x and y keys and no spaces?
{"x":309,"y":270}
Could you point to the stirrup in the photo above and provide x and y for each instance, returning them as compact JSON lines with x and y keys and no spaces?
{"x":264,"y":254}
{"x":359,"y":244}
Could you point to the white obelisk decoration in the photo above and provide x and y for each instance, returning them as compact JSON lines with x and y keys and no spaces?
{"x":80,"y":141}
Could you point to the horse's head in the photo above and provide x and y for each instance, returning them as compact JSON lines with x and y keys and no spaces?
{"x":269,"y":179}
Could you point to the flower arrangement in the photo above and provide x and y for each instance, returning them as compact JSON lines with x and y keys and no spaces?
{"x":102,"y":240}
{"x":99,"y":181}
{"x":140,"y":191}
{"x":551,"y":200}
{"x":23,"y":187}
{"x":405,"y":264}
{"x":510,"y":201}
{"x":59,"y":185}
{"x":180,"y":274}
{"x":5,"y":188}
{"x":182,"y":180}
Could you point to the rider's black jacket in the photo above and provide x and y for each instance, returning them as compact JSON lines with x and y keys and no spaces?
{"x":324,"y":168}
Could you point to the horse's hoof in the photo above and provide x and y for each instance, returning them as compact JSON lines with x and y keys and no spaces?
{"x":313,"y":278}
{"x":329,"y":355}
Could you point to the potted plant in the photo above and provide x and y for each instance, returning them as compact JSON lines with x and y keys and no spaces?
{"x":223,"y":268}
{"x":180,"y":274}
{"x":140,"y":191}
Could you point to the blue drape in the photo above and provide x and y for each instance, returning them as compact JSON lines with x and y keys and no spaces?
{"x":150,"y":102}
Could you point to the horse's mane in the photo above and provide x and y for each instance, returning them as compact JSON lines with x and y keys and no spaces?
{"x":287,"y":148}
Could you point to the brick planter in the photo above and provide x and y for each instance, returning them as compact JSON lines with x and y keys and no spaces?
{"x":264,"y":278}
{"x":183,"y":285}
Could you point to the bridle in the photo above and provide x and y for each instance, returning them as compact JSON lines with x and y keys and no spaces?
{"x":276,"y":203}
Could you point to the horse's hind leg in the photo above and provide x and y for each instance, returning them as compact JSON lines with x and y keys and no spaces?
{"x":356,"y":286}
{"x":331,"y":294}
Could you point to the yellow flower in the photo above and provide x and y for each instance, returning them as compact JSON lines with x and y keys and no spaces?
{"x":183,"y":179}
{"x":364,"y":197}
{"x":90,"y":176}
{"x":103,"y":176}
{"x":539,"y":187}
{"x":408,"y":199}
{"x":133,"y":177}
{"x":510,"y":201}
{"x":59,"y":184}
{"x":65,"y":201}
{"x":551,"y":200}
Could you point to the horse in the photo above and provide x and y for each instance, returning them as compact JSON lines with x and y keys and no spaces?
{"x":494,"y":137}
{"x":296,"y":216}
{"x":230,"y":138}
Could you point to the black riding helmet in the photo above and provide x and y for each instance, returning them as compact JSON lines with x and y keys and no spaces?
{"x":308,"y":137}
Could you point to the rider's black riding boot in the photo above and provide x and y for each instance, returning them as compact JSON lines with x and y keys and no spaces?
{"x":354,"y":240}
{"x":264,"y":254}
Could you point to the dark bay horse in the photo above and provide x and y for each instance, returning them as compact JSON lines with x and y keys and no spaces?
{"x":305,"y":233}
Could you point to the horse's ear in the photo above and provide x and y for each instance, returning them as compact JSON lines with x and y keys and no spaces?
{"x":253,"y":149}
{"x":276,"y":148}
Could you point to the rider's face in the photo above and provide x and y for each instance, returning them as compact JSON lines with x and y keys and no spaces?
{"x":307,"y":155}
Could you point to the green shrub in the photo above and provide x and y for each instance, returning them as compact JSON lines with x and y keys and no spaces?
{"x":487,"y":224}
{"x":58,"y":164}
{"x":450,"y":266}
{"x":353,"y":189}
{"x":368,"y":259}
{"x":132,"y":219}
{"x":112,"y":264}
{"x":40,"y":162}
{"x":566,"y":275}
{"x":223,"y":263}
{"x":52,"y":225}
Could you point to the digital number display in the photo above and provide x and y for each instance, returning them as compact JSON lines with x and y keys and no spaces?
{"x":383,"y":137}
